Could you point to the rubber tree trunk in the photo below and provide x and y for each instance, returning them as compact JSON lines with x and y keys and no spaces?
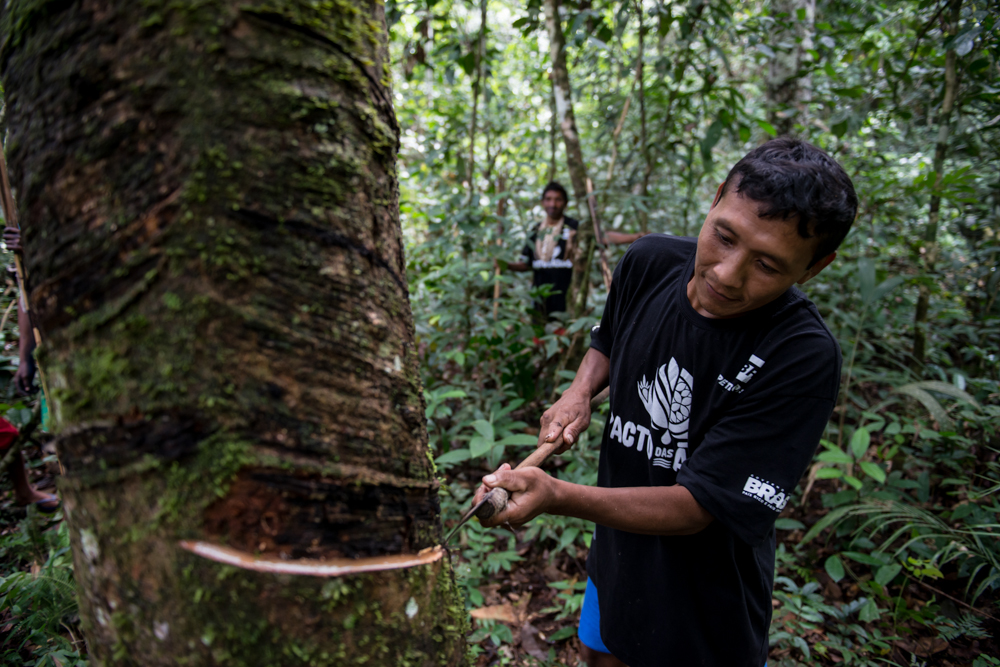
{"x":210,"y":208}
{"x":788,"y":91}
{"x":929,"y":248}
{"x":580,"y":286}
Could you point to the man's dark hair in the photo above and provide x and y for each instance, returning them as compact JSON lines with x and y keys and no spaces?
{"x":789,"y":177}
{"x":557,"y":187}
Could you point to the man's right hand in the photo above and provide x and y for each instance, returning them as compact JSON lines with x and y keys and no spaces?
{"x":566,"y":420}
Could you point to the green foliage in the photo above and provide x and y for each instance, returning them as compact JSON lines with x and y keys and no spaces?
{"x":42,"y":600}
{"x":906,"y":478}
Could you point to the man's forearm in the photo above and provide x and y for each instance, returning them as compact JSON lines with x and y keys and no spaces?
{"x":518,"y":266}
{"x":592,"y":376}
{"x":621,"y":237}
{"x":26,"y":346}
{"x":647,"y":510}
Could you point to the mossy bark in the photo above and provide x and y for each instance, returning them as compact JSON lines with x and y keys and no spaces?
{"x":209,"y":205}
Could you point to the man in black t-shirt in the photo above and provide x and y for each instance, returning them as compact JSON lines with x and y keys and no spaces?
{"x":723,"y":377}
{"x":551,"y":249}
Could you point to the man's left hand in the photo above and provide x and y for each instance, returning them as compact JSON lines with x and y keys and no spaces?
{"x":530,"y":491}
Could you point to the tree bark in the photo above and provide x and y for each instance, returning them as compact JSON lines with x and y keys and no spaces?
{"x":788,"y":92}
{"x":210,"y":220}
{"x":930,"y":246}
{"x":580,"y":286}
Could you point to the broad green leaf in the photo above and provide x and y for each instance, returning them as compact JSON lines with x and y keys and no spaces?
{"x":479,"y":445}
{"x":873,"y":471}
{"x":767,"y":127}
{"x":785,"y":523}
{"x":860,"y":441}
{"x":568,"y":536}
{"x":855,"y":92}
{"x":867,"y":559}
{"x":869,"y":612}
{"x":829,"y":473}
{"x":834,"y":567}
{"x":563,"y":633}
{"x":518,"y":439}
{"x":887,"y":573}
{"x":853,"y":481}
{"x":484,"y":428}
{"x":945,"y":388}
{"x":835,"y":456}
{"x":933,"y":406}
{"x":830,"y":519}
{"x":454,"y":456}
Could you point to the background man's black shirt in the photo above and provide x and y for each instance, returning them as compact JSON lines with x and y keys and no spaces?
{"x":557,"y":272}
{"x":730,"y":409}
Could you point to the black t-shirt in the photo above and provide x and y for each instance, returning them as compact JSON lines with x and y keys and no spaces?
{"x":557,"y":272}
{"x":745,"y":402}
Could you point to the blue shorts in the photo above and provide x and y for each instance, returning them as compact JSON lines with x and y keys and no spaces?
{"x":590,"y":620}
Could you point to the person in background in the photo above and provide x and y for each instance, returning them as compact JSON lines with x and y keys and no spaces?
{"x":551,"y":249}
{"x":24,"y":492}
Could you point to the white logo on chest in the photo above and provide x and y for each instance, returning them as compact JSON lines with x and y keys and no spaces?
{"x":667,"y":399}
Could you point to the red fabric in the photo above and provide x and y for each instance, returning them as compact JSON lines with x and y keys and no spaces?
{"x":7,"y":433}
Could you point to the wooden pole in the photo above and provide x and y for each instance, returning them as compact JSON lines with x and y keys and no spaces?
{"x":598,"y":236}
{"x":10,"y":216}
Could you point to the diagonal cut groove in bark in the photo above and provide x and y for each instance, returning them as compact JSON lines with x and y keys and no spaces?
{"x":330,"y":567}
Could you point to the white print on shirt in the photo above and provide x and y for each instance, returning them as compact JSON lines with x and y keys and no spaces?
{"x":667,"y":399}
{"x":749,"y":370}
{"x":772,"y":495}
{"x":553,"y":263}
{"x":630,"y":434}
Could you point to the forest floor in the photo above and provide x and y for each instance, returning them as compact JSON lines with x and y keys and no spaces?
{"x":537,"y":600}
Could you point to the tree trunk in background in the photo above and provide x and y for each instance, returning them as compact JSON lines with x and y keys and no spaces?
{"x":788,"y":93}
{"x":930,"y":246}
{"x":210,"y":209}
{"x":580,"y":287}
{"x":476,"y":84}
{"x":646,"y":156}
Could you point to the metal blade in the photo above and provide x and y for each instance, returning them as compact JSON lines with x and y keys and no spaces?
{"x":465,"y":517}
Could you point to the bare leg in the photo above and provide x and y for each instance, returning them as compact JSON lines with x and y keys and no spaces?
{"x":597,"y":659}
{"x":24,"y":492}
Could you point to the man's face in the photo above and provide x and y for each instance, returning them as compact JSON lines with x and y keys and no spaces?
{"x":745,"y":261}
{"x":554,"y":204}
